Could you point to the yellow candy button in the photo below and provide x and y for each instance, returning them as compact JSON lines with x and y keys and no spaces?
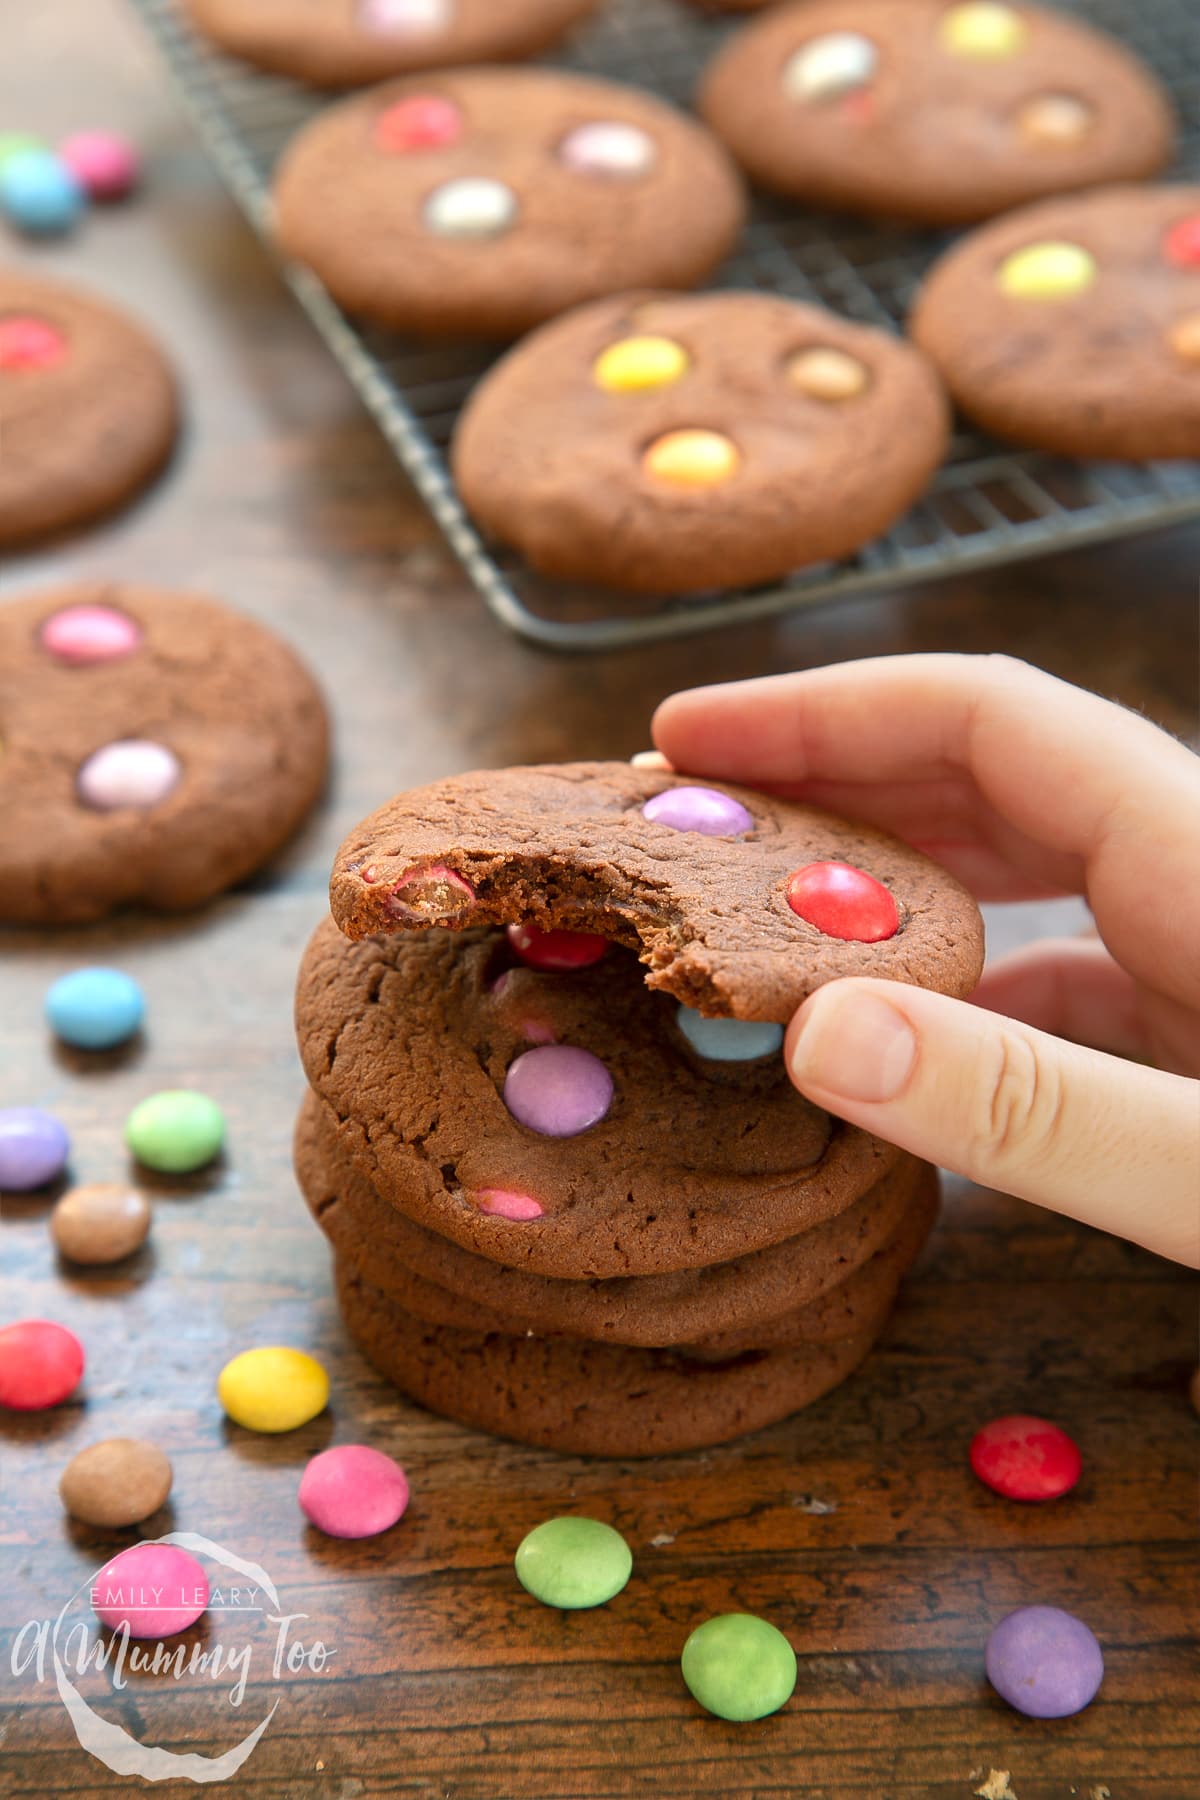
{"x":693,"y":459}
{"x":637,"y":363}
{"x":983,"y":29}
{"x":273,"y":1389}
{"x":1047,"y":272}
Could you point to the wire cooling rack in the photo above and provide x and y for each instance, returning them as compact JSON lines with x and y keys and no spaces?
{"x":987,"y":505}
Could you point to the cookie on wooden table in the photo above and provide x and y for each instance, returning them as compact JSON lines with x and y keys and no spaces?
{"x":88,"y":407}
{"x":347,"y":43}
{"x":1074,"y":325}
{"x":157,"y":748}
{"x":943,"y":111}
{"x":662,"y":444}
{"x":477,"y":204}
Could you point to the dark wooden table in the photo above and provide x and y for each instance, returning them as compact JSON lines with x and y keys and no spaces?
{"x":857,"y":1527}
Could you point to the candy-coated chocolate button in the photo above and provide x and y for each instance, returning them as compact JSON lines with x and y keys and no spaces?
{"x":1182,"y":243}
{"x":39,"y":194}
{"x":507,"y":1203}
{"x":104,"y":163}
{"x":608,"y":147}
{"x":637,"y":363}
{"x":353,"y":1491}
{"x":432,"y":893}
{"x":273,"y":1389}
{"x":983,"y":29}
{"x":692,"y":459}
{"x":826,"y":374}
{"x":154,"y":1589}
{"x":176,"y":1131}
{"x":413,"y":18}
{"x":1025,"y":1458}
{"x":95,"y":1009}
{"x":420,"y":122}
{"x":101,"y":1222}
{"x":1055,"y":120}
{"x":90,"y":634}
{"x":119,"y":1482}
{"x":739,"y":1667}
{"x":41,"y":1364}
{"x":1184,"y":338}
{"x":556,"y":951}
{"x":558,"y":1090}
{"x":474,"y":206}
{"x":843,"y":902}
{"x":1051,"y":271}
{"x":706,"y":810}
{"x":27,"y":342}
{"x":133,"y":772}
{"x":728,"y":1040}
{"x":829,"y":66}
{"x":13,"y":142}
{"x":1044,"y":1662}
{"x":33,"y":1148}
{"x":572,"y":1563}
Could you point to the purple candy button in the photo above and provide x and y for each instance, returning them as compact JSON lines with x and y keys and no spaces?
{"x":1045,"y":1662}
{"x":558,"y":1090}
{"x":698,"y":809}
{"x":33,"y":1148}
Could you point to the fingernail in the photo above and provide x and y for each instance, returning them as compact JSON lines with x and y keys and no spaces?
{"x":649,"y":759}
{"x":854,"y":1046}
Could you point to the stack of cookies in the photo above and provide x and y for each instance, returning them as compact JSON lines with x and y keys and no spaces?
{"x":572,"y":1196}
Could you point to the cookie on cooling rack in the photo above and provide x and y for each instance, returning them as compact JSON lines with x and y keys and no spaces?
{"x":478,"y":204}
{"x":1074,"y":325}
{"x":667,"y":444}
{"x":943,"y":111}
{"x":347,"y":43}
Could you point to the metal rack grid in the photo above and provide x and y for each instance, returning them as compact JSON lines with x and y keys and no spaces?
{"x":988,"y":504}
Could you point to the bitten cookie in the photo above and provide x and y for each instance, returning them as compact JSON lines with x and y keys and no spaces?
{"x":346,"y":43}
{"x":943,"y":111}
{"x":88,"y":407}
{"x":481,"y":203}
{"x":739,"y":904}
{"x":156,"y":748}
{"x":664,"y":444}
{"x":1074,"y":325}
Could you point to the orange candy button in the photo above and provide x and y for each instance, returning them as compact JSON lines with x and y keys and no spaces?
{"x":1184,"y":337}
{"x":1055,"y":121}
{"x":692,"y":459}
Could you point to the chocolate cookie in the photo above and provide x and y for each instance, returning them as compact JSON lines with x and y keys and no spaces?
{"x":561,"y":1122}
{"x":345,"y":43}
{"x":744,"y":1294}
{"x":156,"y":748}
{"x":662,"y":444}
{"x":739,"y":904}
{"x":594,"y":1399}
{"x":1074,"y":325}
{"x":479,"y":204}
{"x":938,"y":110}
{"x":88,"y":408}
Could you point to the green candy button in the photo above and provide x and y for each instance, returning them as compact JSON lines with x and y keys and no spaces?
{"x":175,"y":1131}
{"x":15,"y":143}
{"x":572,"y":1563}
{"x":739,"y":1667}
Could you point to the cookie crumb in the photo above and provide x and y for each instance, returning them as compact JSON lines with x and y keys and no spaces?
{"x":810,"y":1504}
{"x":662,"y":1539}
{"x":996,"y":1786}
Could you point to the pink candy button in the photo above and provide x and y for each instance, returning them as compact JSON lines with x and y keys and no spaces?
{"x":41,"y":1365}
{"x":29,"y":343}
{"x":407,"y":18}
{"x":133,"y":772}
{"x":104,"y":163}
{"x":843,"y":902}
{"x":156,"y":1589}
{"x":506,"y":1203}
{"x":433,"y":893}
{"x":556,"y":952}
{"x":558,"y":1090}
{"x":90,"y":634}
{"x":418,"y":122}
{"x":608,"y":147}
{"x":353,"y":1491}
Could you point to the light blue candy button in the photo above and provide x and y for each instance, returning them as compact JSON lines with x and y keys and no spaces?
{"x":729,"y":1040}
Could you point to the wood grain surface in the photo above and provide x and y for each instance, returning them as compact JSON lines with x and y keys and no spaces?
{"x":857,"y":1527}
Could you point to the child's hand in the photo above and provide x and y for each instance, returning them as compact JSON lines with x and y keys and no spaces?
{"x":1025,"y":788}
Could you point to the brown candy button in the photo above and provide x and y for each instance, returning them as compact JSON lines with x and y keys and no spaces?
{"x":100,"y":1223}
{"x":119,"y":1482}
{"x":825,"y":374}
{"x":1184,"y":337}
{"x":1055,"y":119}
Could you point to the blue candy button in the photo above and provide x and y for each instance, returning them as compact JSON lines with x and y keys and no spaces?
{"x":95,"y":1009}
{"x":729,"y":1040}
{"x":39,"y":194}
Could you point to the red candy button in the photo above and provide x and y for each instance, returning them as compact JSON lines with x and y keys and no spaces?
{"x":423,"y":122}
{"x":29,"y":343}
{"x":556,"y":951}
{"x":1181,"y":245}
{"x":843,"y":902}
{"x":40,"y":1364}
{"x":1025,"y":1458}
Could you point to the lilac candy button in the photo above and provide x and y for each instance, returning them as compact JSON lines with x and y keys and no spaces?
{"x":700,"y":809}
{"x":414,"y":18}
{"x":558,"y":1090}
{"x":131,"y":772}
{"x":33,"y":1148}
{"x":1045,"y":1662}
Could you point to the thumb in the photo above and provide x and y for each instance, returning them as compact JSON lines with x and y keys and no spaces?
{"x":1110,"y":1142}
